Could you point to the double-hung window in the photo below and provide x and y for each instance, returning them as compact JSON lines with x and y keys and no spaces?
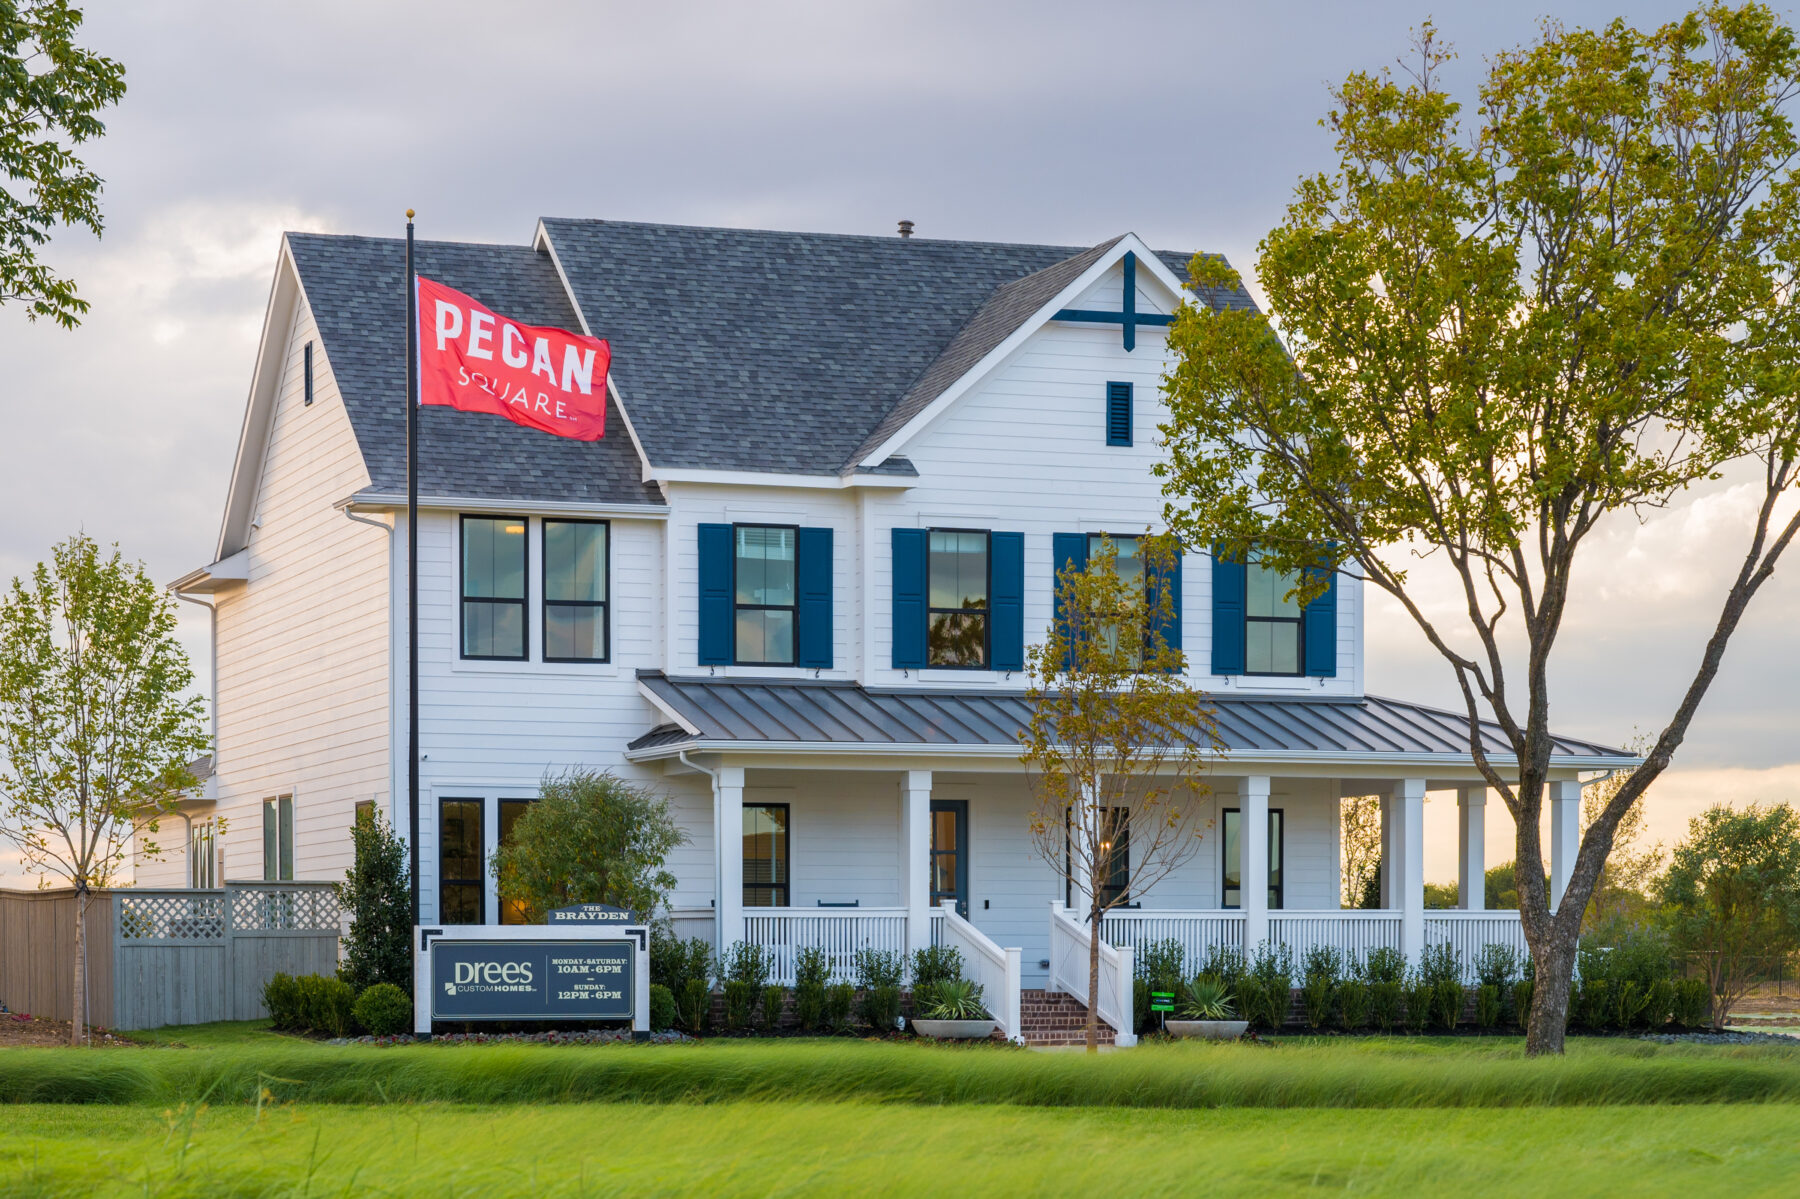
{"x":278,"y":838}
{"x":764,"y":593}
{"x":1272,"y":619}
{"x":493,"y":587}
{"x":766,"y":855}
{"x":1232,"y":873}
{"x":1128,"y":563}
{"x":575,"y":595}
{"x":957,"y":599}
{"x":462,"y":887}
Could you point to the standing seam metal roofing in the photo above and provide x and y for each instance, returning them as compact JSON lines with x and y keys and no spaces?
{"x":789,"y":711}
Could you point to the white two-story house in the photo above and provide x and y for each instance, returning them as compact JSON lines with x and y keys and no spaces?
{"x":792,"y":588}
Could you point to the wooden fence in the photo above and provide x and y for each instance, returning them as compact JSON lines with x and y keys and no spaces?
{"x":161,"y":957}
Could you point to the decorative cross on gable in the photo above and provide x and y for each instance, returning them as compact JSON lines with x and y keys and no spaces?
{"x":1128,"y":316}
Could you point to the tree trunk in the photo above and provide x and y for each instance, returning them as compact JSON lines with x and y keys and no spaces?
{"x":78,"y":1005}
{"x":1093,"y":1016}
{"x":1550,"y":990}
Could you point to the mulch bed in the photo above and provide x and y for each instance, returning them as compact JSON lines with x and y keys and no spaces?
{"x":19,"y":1030}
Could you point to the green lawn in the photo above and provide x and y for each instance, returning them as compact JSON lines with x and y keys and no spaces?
{"x":862,"y":1149}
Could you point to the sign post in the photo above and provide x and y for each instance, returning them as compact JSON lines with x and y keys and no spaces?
{"x":569,"y":970}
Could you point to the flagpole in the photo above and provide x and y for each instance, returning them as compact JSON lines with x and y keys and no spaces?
{"x":412,"y":564}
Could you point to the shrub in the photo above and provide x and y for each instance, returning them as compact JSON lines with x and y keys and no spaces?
{"x":1489,"y":1006}
{"x":1273,"y":969}
{"x":1384,"y":1004}
{"x":315,"y":1013}
{"x":385,"y":1010}
{"x":746,"y":963}
{"x":1496,"y":966}
{"x":1593,"y":1006}
{"x":812,"y":967}
{"x":673,"y":961}
{"x":1420,"y":992}
{"x":662,"y":1008}
{"x":1693,"y":1003}
{"x":740,"y":1001}
{"x":589,"y":838}
{"x":377,"y":895}
{"x":1140,"y":1004}
{"x":881,"y":1008}
{"x":1250,"y":997}
{"x":773,"y":1000}
{"x":1521,"y":1001}
{"x":1161,"y":963}
{"x":839,"y":999}
{"x":1659,"y":1005}
{"x":931,"y":967}
{"x":696,"y":1005}
{"x":1224,"y":964}
{"x":1447,"y":1001}
{"x":878,"y":968}
{"x":809,"y":1006}
{"x":337,"y":1007}
{"x":1353,"y":1004}
{"x":281,"y":995}
{"x":1384,"y":965}
{"x":1206,"y":999}
{"x":1323,"y":973}
{"x":1439,"y":963}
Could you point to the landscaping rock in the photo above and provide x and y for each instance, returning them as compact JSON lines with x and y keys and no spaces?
{"x":603,"y":1037}
{"x":1719,"y":1038}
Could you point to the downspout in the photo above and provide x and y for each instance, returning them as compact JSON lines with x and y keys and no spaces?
{"x":718,"y":834}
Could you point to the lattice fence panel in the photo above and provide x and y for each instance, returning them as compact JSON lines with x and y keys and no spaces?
{"x":170,"y":917}
{"x":284,"y":909}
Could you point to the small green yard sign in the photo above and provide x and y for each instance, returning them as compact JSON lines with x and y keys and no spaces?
{"x":1162,"y":1001}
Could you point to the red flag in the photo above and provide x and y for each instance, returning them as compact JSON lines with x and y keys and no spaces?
{"x":476,"y":360}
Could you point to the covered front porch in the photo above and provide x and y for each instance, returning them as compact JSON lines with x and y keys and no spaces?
{"x":896,"y":821}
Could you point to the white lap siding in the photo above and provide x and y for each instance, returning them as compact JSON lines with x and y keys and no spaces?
{"x":303,"y":645}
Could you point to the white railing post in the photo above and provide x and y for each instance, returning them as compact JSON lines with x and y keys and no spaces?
{"x":915,"y":849}
{"x":1471,"y":848}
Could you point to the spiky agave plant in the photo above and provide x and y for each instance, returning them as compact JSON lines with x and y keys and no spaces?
{"x":957,"y":999}
{"x":1206,"y":998}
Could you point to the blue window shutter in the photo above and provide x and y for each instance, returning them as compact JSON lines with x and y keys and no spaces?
{"x":1118,"y":414}
{"x":1006,"y":600}
{"x":1168,"y":579}
{"x":1320,"y":625}
{"x":813,"y":568}
{"x":1228,"y":583}
{"x":909,"y":598}
{"x":1067,"y":551}
{"x":717,"y":645}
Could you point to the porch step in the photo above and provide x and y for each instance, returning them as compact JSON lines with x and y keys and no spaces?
{"x":1052,"y":1018}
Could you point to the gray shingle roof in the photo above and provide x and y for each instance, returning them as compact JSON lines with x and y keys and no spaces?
{"x":743,"y":349}
{"x":815,"y":712}
{"x":356,"y":287}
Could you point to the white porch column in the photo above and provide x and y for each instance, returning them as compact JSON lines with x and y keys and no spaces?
{"x":1409,"y":868}
{"x":1081,"y":875}
{"x":915,"y":857}
{"x":1471,"y":848}
{"x":1253,"y":864}
{"x":1565,"y":835}
{"x":728,"y":844}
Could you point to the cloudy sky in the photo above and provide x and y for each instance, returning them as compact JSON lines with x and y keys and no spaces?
{"x":1047,"y":122}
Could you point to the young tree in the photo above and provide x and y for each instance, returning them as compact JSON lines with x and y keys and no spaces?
{"x":1732,"y":896}
{"x":1496,"y":338}
{"x":97,"y":724}
{"x":51,"y":92}
{"x":1117,"y":744}
{"x":589,"y":838}
{"x":377,"y":892}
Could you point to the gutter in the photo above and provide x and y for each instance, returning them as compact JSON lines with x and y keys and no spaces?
{"x":383,"y":501}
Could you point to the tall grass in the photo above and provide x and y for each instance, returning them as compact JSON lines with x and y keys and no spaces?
{"x":1171,"y":1076}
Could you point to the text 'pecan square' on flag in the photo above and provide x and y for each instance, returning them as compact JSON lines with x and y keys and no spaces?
{"x":475,"y":360}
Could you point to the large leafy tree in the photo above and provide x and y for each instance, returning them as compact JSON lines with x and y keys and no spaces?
{"x":589,"y":838}
{"x":51,"y":94}
{"x":1732,"y":896}
{"x":1499,"y":334}
{"x":97,"y":721}
{"x":1118,"y":744}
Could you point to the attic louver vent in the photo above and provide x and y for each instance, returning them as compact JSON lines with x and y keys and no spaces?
{"x":1118,"y":414}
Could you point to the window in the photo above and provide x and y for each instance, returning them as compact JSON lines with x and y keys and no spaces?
{"x":575,"y":570}
{"x":765,"y":855}
{"x":309,"y":375}
{"x":763,"y":586}
{"x":365,"y":810}
{"x":957,"y":599}
{"x":511,"y":910}
{"x":1128,"y":563}
{"x":1232,"y":873}
{"x":1118,"y":414}
{"x":1115,"y":844}
{"x":493,"y":587}
{"x":1271,"y":622}
{"x":949,"y":853}
{"x":461,"y":888}
{"x":203,"y":857}
{"x":278,"y":838}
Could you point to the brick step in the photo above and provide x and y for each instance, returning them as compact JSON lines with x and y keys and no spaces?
{"x":1056,"y":1019}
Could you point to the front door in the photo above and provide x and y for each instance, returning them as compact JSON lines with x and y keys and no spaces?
{"x":950,"y":853}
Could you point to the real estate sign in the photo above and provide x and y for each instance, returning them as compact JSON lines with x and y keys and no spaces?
{"x":598,"y":971}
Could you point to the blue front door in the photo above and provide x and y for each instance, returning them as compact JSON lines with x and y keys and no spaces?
{"x":950,"y":853}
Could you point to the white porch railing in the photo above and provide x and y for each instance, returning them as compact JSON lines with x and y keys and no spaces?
{"x":996,"y":970}
{"x":1467,"y":932}
{"x":1069,"y":972}
{"x":688,"y":923}
{"x":1354,"y":932}
{"x":1198,"y":932}
{"x":840,"y":932}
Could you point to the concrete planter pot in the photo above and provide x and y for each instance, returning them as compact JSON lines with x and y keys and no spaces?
{"x":955,"y":1030}
{"x":1208,"y":1030}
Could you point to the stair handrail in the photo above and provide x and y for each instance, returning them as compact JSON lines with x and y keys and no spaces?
{"x":995,"y":969}
{"x":1069,"y":973}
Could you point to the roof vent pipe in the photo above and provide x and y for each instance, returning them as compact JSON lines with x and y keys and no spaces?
{"x":906,"y":228}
